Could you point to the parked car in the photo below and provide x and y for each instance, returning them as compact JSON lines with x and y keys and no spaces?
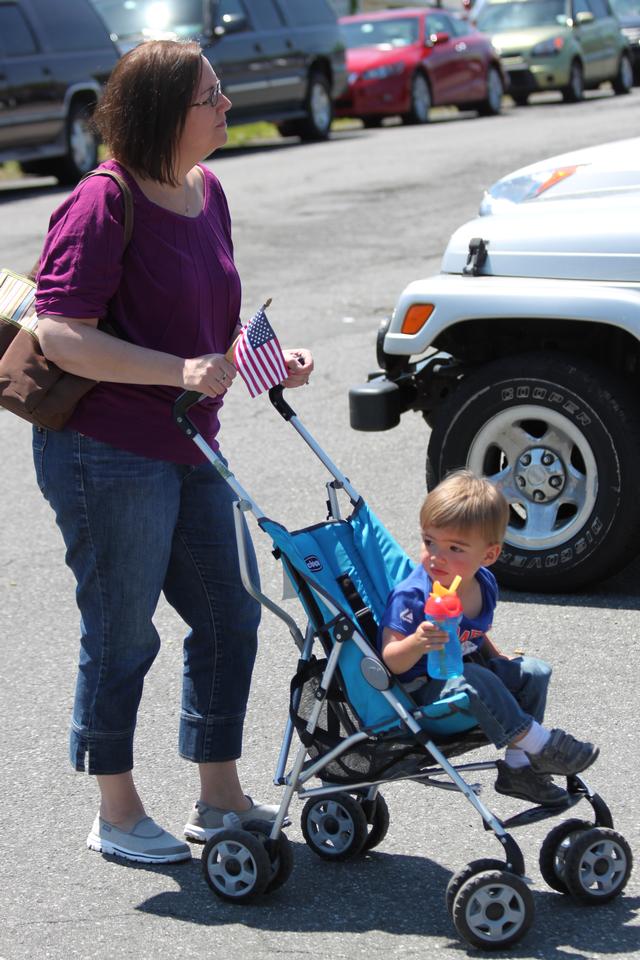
{"x":54,"y":60}
{"x":522,"y":355}
{"x":628,"y":13}
{"x":565,"y":45}
{"x":278,"y":60}
{"x":407,"y":61}
{"x":594,"y":171}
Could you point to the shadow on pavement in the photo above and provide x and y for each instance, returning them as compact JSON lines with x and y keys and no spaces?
{"x":354,"y":897}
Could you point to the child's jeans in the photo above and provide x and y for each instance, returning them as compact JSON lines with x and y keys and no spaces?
{"x":135,"y":527}
{"x":505,"y":695}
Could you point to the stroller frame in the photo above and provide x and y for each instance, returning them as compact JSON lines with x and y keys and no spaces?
{"x":241,"y":863}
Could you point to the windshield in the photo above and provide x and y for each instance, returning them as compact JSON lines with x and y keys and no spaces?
{"x":498,"y":17}
{"x":381,"y":33}
{"x":626,"y":8}
{"x":126,"y":18}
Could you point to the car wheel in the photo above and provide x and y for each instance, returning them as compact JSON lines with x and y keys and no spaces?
{"x":574,"y":91}
{"x":319,"y":108}
{"x":420,"y":103}
{"x":495,"y":90}
{"x":520,"y":99}
{"x":82,"y":146}
{"x":562,"y":441}
{"x":623,"y":80}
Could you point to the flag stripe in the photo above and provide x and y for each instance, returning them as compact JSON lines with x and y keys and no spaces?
{"x":258,"y":355}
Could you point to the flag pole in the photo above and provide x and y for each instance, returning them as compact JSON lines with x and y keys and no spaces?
{"x":229,"y":355}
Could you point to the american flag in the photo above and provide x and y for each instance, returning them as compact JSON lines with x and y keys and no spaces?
{"x":257,"y":355}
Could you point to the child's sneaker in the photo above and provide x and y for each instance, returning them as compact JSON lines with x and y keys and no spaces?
{"x":525,"y":784}
{"x":563,"y":754}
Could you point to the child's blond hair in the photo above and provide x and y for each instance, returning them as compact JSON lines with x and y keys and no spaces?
{"x":466,"y":502}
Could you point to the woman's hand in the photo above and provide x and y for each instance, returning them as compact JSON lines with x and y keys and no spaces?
{"x":211,"y":374}
{"x":299,"y":364}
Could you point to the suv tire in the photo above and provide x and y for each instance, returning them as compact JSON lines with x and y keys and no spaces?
{"x":82,"y":145}
{"x":565,"y":434}
{"x":623,"y":80}
{"x":574,"y":91}
{"x":319,"y":108}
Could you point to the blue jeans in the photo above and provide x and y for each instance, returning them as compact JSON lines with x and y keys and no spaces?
{"x":133,"y":528}
{"x":505,"y":695}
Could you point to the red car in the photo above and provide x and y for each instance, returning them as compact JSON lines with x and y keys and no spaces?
{"x":409,"y":60}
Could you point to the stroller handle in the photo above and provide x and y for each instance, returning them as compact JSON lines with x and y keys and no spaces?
{"x":276,"y":396}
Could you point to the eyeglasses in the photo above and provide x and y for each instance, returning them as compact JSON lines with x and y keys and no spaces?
{"x":212,"y":99}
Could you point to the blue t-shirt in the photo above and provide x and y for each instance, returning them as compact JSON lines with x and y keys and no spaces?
{"x":405,"y":611}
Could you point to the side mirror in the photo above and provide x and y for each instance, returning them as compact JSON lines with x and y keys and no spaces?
{"x":437,"y":38}
{"x":585,"y":16}
{"x":231,"y":23}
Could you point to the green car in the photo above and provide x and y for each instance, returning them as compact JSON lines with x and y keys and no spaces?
{"x":566,"y":45}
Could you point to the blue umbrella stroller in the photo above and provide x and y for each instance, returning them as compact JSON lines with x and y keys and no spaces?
{"x":359,"y":729}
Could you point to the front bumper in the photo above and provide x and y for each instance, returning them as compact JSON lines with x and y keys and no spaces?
{"x":363,"y":98}
{"x":525,"y":76}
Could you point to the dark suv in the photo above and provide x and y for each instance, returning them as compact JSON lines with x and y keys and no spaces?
{"x":278,"y":60}
{"x":54,"y":58}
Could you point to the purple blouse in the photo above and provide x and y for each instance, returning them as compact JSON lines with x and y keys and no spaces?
{"x":175,"y":289}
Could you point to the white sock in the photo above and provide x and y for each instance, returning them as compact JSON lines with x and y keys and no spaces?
{"x":534,"y":739}
{"x":516,"y":758}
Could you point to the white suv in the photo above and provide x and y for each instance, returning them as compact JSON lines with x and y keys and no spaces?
{"x":523,"y":355}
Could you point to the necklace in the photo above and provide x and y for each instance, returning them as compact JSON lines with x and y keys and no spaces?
{"x":186,"y":198}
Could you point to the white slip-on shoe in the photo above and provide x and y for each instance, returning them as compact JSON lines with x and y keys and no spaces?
{"x":146,"y":842}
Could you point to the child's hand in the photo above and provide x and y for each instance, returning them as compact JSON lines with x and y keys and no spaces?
{"x":429,"y":637}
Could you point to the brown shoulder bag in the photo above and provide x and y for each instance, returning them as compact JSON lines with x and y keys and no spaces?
{"x":30,"y":385}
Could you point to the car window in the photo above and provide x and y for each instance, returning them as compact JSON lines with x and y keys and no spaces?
{"x":497,"y":17}
{"x":265,"y":15}
{"x":306,"y":13}
{"x":438,"y":23}
{"x":16,"y":38}
{"x":598,"y":9}
{"x":126,"y":18}
{"x":580,"y":6}
{"x":230,"y":10}
{"x":461,"y":27}
{"x":389,"y":34}
{"x":70,"y":25}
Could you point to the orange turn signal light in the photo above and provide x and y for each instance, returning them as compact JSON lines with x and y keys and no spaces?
{"x":416,"y":317}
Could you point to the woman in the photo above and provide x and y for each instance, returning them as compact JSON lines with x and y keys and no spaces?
{"x":140,"y":509}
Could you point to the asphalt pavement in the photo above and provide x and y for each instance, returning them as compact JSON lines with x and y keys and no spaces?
{"x":332,"y":232}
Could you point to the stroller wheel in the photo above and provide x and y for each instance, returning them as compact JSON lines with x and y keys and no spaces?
{"x":461,"y":877}
{"x":597,"y":866}
{"x":378,"y":819}
{"x":280,"y":853}
{"x":554,"y":849}
{"x":493,"y":909}
{"x":236,"y":865}
{"x":334,"y":827}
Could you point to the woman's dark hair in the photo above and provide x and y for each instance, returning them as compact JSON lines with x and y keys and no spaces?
{"x":144,"y":108}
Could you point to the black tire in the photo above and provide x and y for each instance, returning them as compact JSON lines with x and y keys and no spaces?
{"x":82,"y":146}
{"x":492,"y":105}
{"x":420,"y":100}
{"x":461,"y":877}
{"x":554,"y":849}
{"x":236,"y":865}
{"x":574,"y":91}
{"x":493,"y":910}
{"x":319,"y":108}
{"x":378,"y":822}
{"x":280,"y":853}
{"x":334,"y":827}
{"x":575,"y":510}
{"x":520,"y":99}
{"x":597,"y":866}
{"x":623,"y":80}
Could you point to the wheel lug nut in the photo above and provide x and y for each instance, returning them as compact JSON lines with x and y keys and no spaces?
{"x":547,"y":459}
{"x":555,"y":482}
{"x":538,"y":495}
{"x":525,"y":459}
{"x":520,"y":481}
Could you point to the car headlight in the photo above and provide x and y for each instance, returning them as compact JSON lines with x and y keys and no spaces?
{"x":380,"y":73}
{"x":548,"y":48}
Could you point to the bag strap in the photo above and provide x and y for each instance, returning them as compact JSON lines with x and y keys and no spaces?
{"x":127,"y":198}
